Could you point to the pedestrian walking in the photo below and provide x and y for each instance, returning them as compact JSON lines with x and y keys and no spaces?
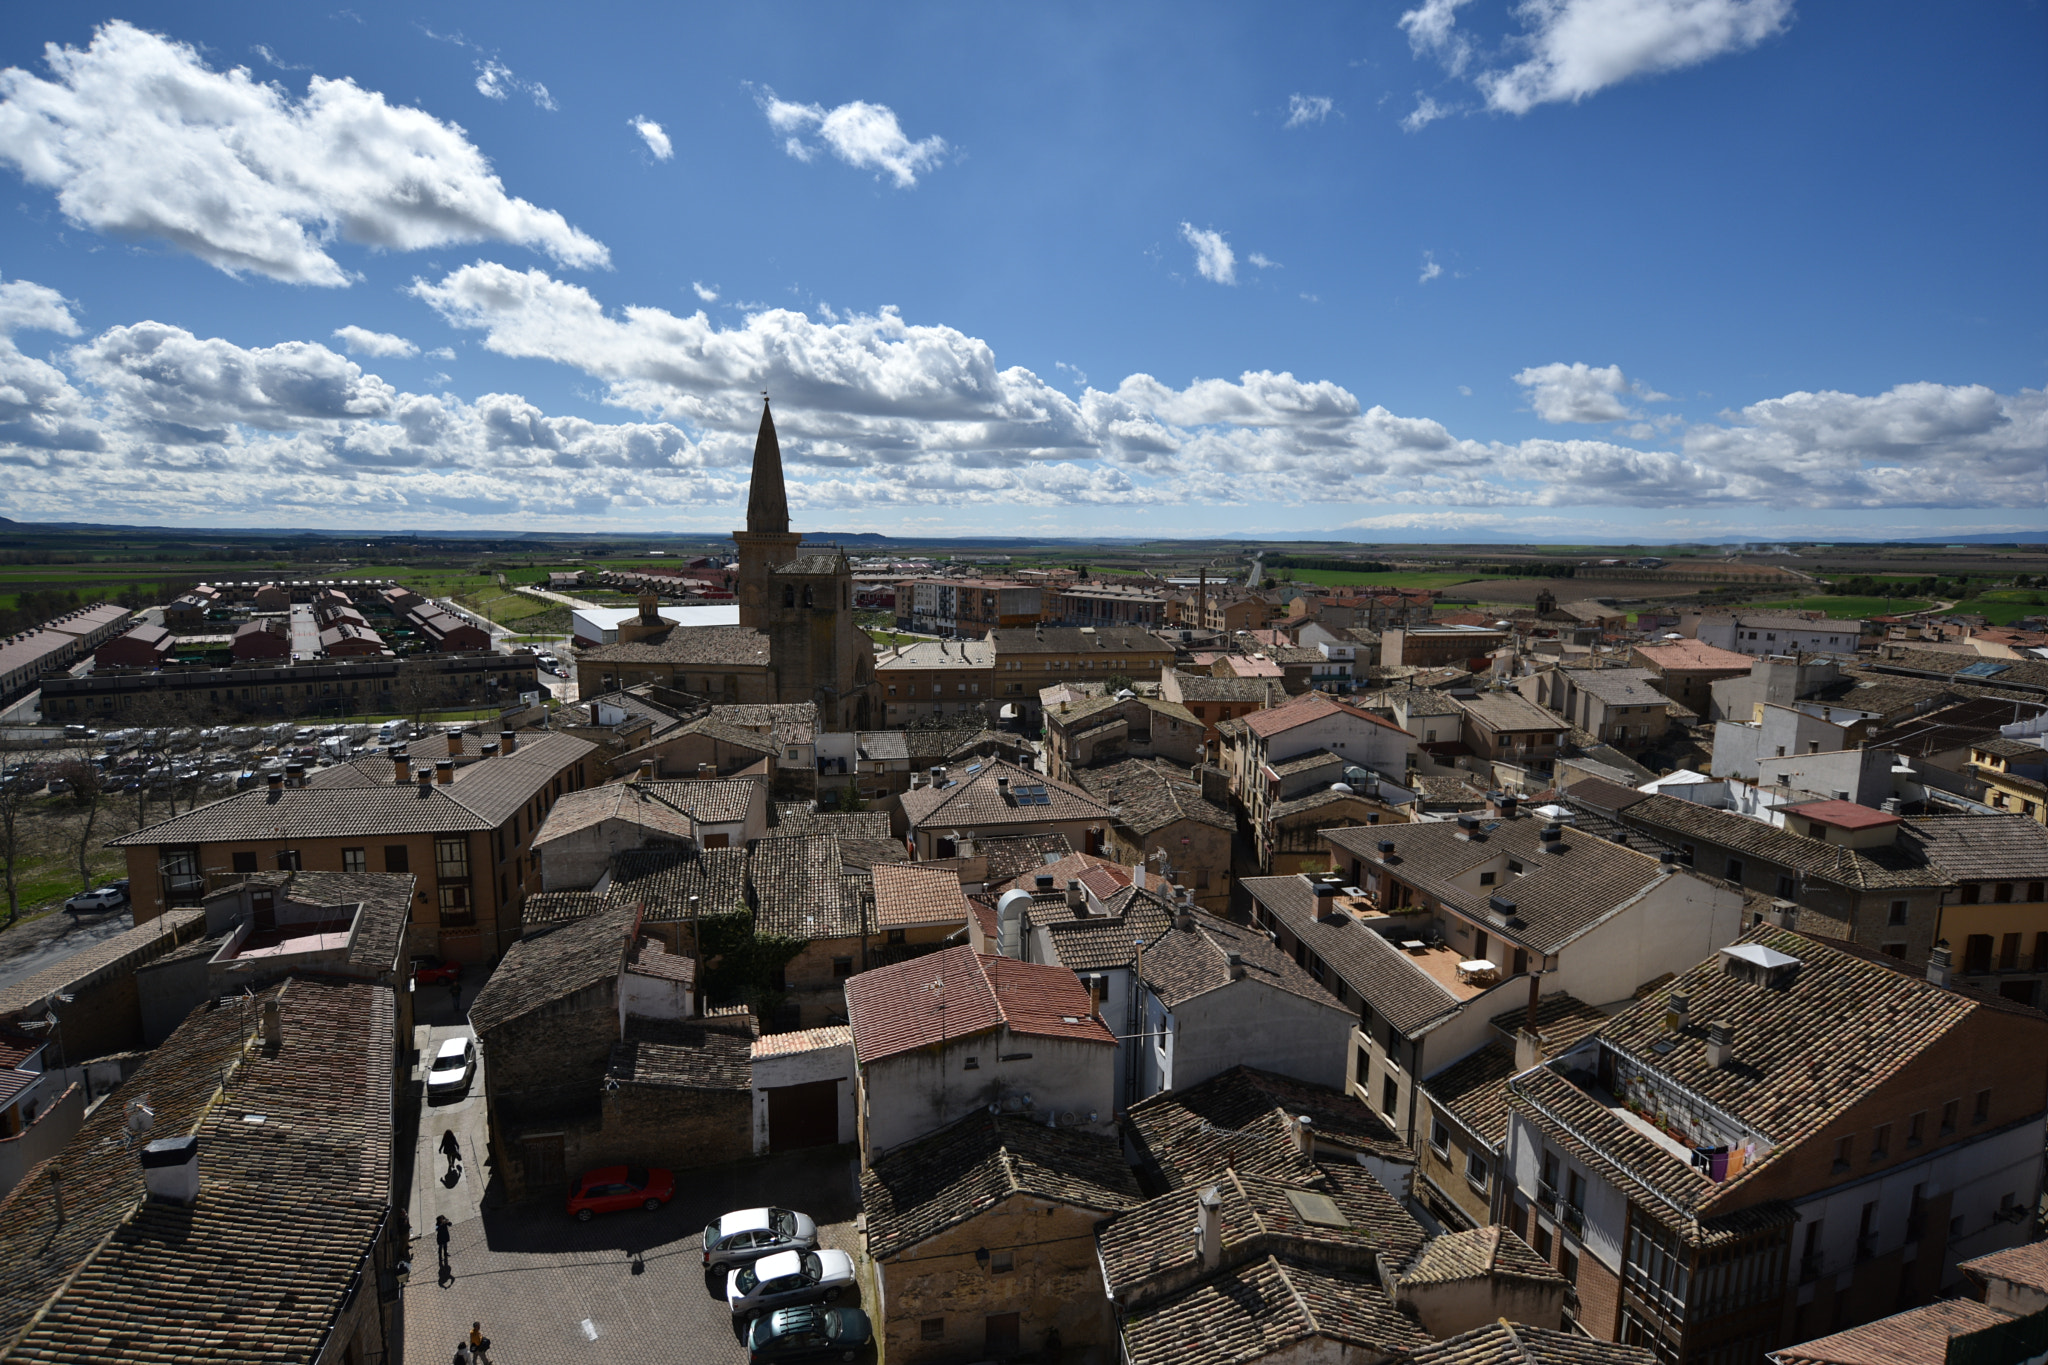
{"x":451,"y":1147}
{"x":442,"y":1227}
{"x":455,"y":996}
{"x":479,"y":1344}
{"x":462,"y":1356}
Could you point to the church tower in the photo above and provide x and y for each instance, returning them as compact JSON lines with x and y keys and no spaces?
{"x":802,"y":603}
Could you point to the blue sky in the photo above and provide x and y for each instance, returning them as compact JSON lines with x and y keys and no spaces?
{"x":1565,"y":268}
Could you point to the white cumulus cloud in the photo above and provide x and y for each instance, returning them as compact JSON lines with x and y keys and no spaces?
{"x":28,"y":306}
{"x":1263,"y":261}
{"x":497,"y":81}
{"x":363,"y":341}
{"x":1584,"y":393}
{"x":1432,"y":30}
{"x":657,"y":141}
{"x":1425,"y":112}
{"x":1214,"y":260}
{"x":705,"y":292}
{"x":1430,"y":269}
{"x":1305,"y":109}
{"x":864,"y":135}
{"x":1579,"y":47}
{"x":140,"y":138}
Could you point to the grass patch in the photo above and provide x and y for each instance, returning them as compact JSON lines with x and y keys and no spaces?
{"x":889,"y":639}
{"x":505,"y":607}
{"x":1849,"y":607}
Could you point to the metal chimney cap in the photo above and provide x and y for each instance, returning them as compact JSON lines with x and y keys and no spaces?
{"x":175,"y":1151}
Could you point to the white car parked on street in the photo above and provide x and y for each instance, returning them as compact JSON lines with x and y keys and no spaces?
{"x":454,"y":1065}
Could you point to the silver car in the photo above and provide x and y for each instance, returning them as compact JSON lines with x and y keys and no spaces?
{"x":788,"y":1277}
{"x":749,"y":1234}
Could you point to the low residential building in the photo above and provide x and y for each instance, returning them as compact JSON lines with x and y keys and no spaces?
{"x":935,"y":678}
{"x":1214,"y":700}
{"x":723,"y":663}
{"x":968,"y":608}
{"x":2015,"y":774}
{"x":1228,"y":610}
{"x":1439,"y":646}
{"x":467,"y":817}
{"x":1027,"y":660}
{"x":983,"y":1239}
{"x":1766,"y":632}
{"x":1217,"y":995}
{"x":265,"y":640}
{"x":710,"y":746}
{"x":1507,"y":728}
{"x":945,"y":1035}
{"x":1619,"y":706}
{"x":1097,"y":927}
{"x":88,"y":1003}
{"x":585,"y":830}
{"x":330,"y":688}
{"x":445,"y":631}
{"x":252,"y":1148}
{"x":804,"y":1091}
{"x":917,"y":910}
{"x":143,"y":646}
{"x":1107,"y":729}
{"x":1796,"y":1135}
{"x":1259,"y":744}
{"x":1290,"y":837}
{"x":997,"y":798}
{"x":1175,"y":822}
{"x":1430,"y":930}
{"x":1686,"y":670}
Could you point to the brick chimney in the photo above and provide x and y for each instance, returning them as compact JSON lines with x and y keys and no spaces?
{"x":401,"y":766}
{"x":508,"y":742}
{"x":444,"y":772}
{"x":425,"y":777}
{"x":455,"y":744}
{"x":1720,"y":1044}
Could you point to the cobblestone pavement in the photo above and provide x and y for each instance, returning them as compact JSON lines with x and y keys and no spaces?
{"x":624,"y":1288}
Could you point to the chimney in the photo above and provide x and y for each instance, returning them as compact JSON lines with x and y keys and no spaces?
{"x":273,"y":1023}
{"x":1076,"y":901}
{"x":1209,"y":1229}
{"x":1236,"y":961}
{"x":1940,"y":963}
{"x":508,"y":742}
{"x":1096,"y":990}
{"x":1043,"y":882}
{"x":1326,"y":898}
{"x":1528,"y":1049}
{"x":1184,"y":922}
{"x":444,"y":772}
{"x":1783,"y":913}
{"x":275,"y":779}
{"x":706,"y":771}
{"x":1676,"y":1012}
{"x":1305,"y":1136}
{"x":425,"y":777}
{"x":645,"y":772}
{"x":455,"y":744}
{"x":57,"y":1190}
{"x":401,"y":766}
{"x":170,"y":1169}
{"x":489,"y":751}
{"x":1720,"y":1044}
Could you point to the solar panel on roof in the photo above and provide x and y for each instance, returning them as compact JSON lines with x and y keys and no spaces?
{"x":1986,"y":669}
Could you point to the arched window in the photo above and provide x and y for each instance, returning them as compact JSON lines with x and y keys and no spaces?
{"x":788,"y":595}
{"x":808,"y":600}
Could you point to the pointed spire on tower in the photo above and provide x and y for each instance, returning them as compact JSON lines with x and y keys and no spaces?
{"x":767,"y":503}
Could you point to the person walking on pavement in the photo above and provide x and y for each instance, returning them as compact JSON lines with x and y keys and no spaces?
{"x":479,"y":1344}
{"x":451,"y":1147}
{"x":442,"y":1227}
{"x":455,"y":996}
{"x":462,"y":1353}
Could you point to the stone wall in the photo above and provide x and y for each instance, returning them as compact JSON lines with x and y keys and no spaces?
{"x":552,"y":1060}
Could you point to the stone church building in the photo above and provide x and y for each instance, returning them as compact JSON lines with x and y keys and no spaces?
{"x":796,"y":640}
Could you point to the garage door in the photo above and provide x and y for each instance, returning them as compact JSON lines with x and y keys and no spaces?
{"x":803,"y":1115}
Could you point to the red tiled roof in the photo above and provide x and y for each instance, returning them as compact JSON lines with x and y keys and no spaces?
{"x":958,"y":992}
{"x":1315,"y":706}
{"x":907,"y":894}
{"x":1843,"y":814}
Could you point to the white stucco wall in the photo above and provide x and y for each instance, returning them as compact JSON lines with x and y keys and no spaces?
{"x":914,"y":1093}
{"x":802,"y":1068}
{"x":1250,"y":1023}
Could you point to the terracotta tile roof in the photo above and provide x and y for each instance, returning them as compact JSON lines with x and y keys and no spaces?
{"x":1674,"y":820}
{"x":1562,"y":1020}
{"x":864,"y":838}
{"x":1261,"y":1308}
{"x":1301,"y":711}
{"x":687,"y":645}
{"x":907,"y":895}
{"x":1476,"y":1255}
{"x":714,"y":1053}
{"x":651,"y":957}
{"x":1617,"y":686}
{"x":1980,"y":847}
{"x":544,"y":968}
{"x":1242,"y":1120}
{"x":1150,"y":796}
{"x":1510,"y":711}
{"x":977,"y":801}
{"x":1514,"y":1343}
{"x":2023,"y":1265}
{"x":1258,"y":1219}
{"x":1014,"y":856}
{"x":626,"y":801}
{"x":1610,"y":797}
{"x":385,"y":900}
{"x":1558,"y":895}
{"x":1685,"y":656}
{"x":31,"y":991}
{"x":717,"y":727}
{"x":1203,"y":687}
{"x":975,"y":1164}
{"x":1918,"y":1336}
{"x":797,"y":891}
{"x":1100,"y":942}
{"x":1070,"y":866}
{"x":903,"y":1007}
{"x":1473,"y":1091}
{"x":1842,"y":814}
{"x":802,"y":1041}
{"x":287,"y":1208}
{"x":1076,"y":640}
{"x":558,"y":907}
{"x":1374,"y":969}
{"x":664,"y":879}
{"x":1190,"y":962}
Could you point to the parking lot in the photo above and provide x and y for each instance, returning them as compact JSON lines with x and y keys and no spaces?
{"x":624,"y":1287}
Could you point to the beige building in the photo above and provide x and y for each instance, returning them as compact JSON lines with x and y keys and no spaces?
{"x":929,"y":678}
{"x":1162,"y":817}
{"x":1027,"y":660}
{"x":1086,"y":731}
{"x":949,"y":819}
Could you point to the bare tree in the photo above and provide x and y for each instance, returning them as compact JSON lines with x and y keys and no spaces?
{"x":88,"y":792}
{"x":15,"y":835}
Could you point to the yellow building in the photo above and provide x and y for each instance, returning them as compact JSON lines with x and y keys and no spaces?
{"x":2015,"y":771}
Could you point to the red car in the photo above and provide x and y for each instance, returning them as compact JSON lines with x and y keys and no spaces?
{"x":433,"y":971}
{"x":611,"y":1189}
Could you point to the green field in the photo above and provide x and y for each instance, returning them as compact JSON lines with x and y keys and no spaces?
{"x":2004,"y":606}
{"x":1341,"y":578}
{"x":1847,"y":607}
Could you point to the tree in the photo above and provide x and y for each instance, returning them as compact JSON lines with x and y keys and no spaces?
{"x":88,"y":793}
{"x":14,"y":838}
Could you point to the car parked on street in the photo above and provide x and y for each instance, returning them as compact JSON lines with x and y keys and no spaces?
{"x":454,"y":1066}
{"x":786,"y":1278}
{"x":807,"y":1333}
{"x":99,"y":898}
{"x":428,"y":970}
{"x":614,"y":1189}
{"x":749,"y":1234}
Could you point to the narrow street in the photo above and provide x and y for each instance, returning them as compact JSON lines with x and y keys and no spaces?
{"x":41,"y":943}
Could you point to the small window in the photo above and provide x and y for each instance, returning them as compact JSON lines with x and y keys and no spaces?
{"x":1542,"y":1243}
{"x":1881,"y":1142}
{"x":1916,"y":1129}
{"x":287,"y":860}
{"x":1734,"y":873}
{"x":2002,"y":893}
{"x":1390,"y":1096}
{"x":355,"y":860}
{"x":971,"y":1064}
{"x":931,"y":1329}
{"x":1971,"y":893}
{"x":1439,"y":1136}
{"x":1486,"y":879}
{"x":1948,"y":1116}
{"x":1845,"y":1151}
{"x":396,"y":858}
{"x":842,"y":967}
{"x":245,"y":863}
{"x":1898,"y":912}
{"x":1897,"y":950}
{"x":896,"y":936}
{"x":1476,"y":1171}
{"x":1981,"y":1109}
{"x":1002,"y":1262}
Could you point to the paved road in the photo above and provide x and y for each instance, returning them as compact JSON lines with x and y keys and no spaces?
{"x":30,"y":948}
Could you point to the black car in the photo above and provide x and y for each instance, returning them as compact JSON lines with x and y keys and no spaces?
{"x":808,"y":1332}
